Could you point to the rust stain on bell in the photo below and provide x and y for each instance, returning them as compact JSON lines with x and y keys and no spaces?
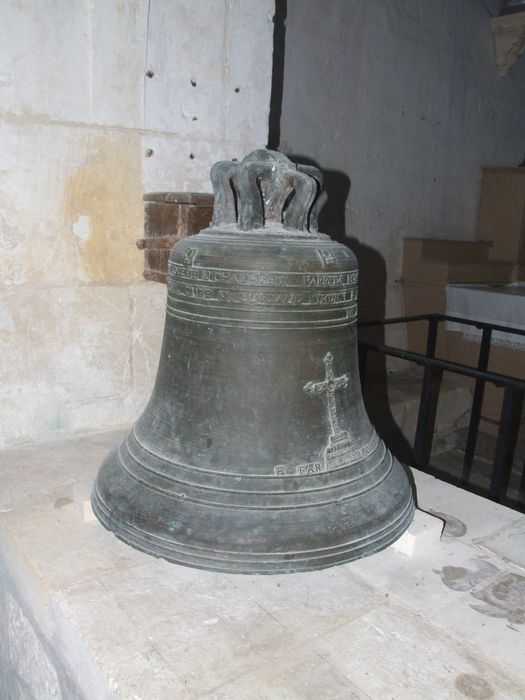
{"x":255,"y":453}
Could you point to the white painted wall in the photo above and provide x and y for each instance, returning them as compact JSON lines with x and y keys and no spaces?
{"x":403,"y":98}
{"x":79,"y":330}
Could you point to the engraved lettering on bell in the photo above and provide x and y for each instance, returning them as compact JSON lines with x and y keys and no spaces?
{"x":299,"y":469}
{"x":270,"y":279}
{"x":326,"y":257}
{"x":189,"y":256}
{"x":292,"y":475}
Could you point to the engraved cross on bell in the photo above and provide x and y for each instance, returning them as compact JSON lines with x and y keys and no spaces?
{"x":329,"y":387}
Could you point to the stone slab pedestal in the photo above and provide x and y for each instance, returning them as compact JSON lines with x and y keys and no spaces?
{"x":85,"y":616}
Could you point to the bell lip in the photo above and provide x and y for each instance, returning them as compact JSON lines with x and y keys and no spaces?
{"x":271,"y":563}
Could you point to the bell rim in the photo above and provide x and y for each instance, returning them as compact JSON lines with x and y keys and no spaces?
{"x":253,"y":563}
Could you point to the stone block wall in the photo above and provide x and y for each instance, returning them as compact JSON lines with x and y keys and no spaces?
{"x":102,"y":101}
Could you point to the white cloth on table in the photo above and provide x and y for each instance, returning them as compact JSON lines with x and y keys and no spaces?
{"x":503,"y":305}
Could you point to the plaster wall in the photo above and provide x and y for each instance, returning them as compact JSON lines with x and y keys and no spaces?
{"x":401,"y":103}
{"x":85,"y":132}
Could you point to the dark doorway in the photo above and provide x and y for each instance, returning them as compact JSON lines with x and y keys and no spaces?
{"x":276,"y":97}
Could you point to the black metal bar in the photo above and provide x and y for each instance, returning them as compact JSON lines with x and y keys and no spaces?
{"x":514,"y":392}
{"x":493,"y":377}
{"x":480,"y":324}
{"x":506,"y":442}
{"x":442,"y":317}
{"x":427,"y":415}
{"x":477,"y":400}
{"x":521,"y":496}
{"x":432,"y":337}
{"x":397,"y":319}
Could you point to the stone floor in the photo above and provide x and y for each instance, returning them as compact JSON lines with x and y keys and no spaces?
{"x":447,"y":462}
{"x":88,"y":617}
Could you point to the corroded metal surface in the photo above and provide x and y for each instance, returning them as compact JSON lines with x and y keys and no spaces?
{"x":255,"y":453}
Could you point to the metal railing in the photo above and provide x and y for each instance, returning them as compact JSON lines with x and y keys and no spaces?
{"x":511,"y":411}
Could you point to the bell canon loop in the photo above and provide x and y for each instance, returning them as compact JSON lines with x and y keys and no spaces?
{"x":255,"y":453}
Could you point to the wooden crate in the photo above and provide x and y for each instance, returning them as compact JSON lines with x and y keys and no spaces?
{"x":501,"y":217}
{"x":168,"y":217}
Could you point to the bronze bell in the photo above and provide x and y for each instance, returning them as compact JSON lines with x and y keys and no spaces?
{"x":255,"y":453}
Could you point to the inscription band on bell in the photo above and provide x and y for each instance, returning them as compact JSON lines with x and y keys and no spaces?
{"x":254,"y":296}
{"x":257,"y":278}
